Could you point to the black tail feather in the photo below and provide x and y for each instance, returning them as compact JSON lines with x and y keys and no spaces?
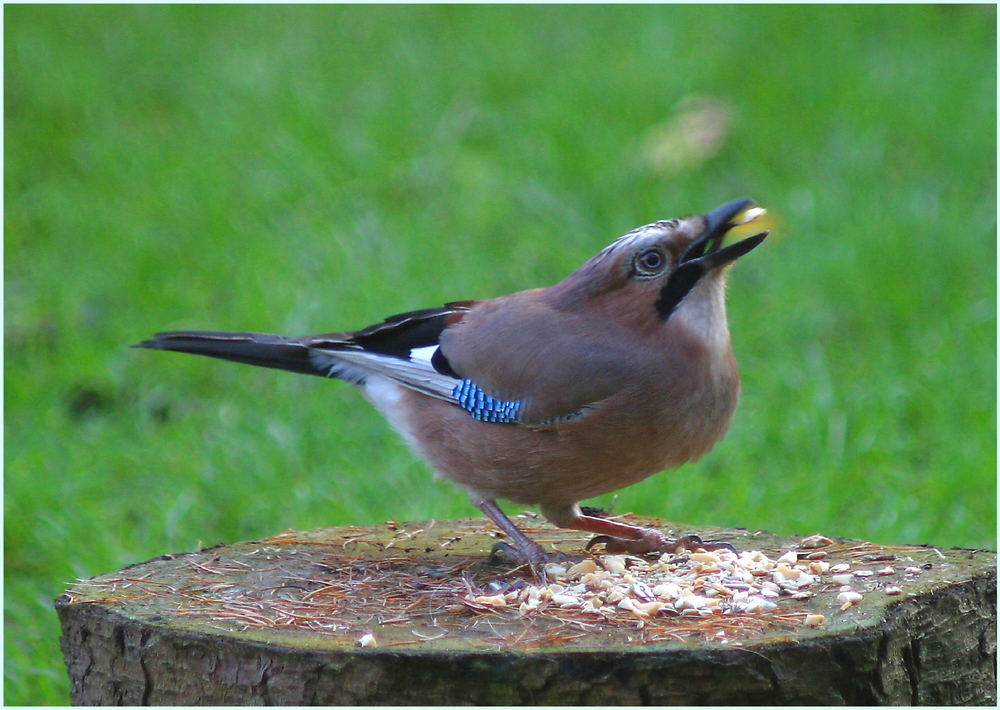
{"x":262,"y":349}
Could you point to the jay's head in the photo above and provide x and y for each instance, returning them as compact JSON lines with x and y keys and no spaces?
{"x":659,"y":266}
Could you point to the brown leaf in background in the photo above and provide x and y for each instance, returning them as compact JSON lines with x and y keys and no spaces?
{"x":691,"y":136}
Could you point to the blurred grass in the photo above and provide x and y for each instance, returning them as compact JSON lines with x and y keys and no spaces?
{"x":305,"y":169}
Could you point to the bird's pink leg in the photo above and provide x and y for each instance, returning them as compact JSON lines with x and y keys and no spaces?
{"x":624,"y":538}
{"x":532,"y":553}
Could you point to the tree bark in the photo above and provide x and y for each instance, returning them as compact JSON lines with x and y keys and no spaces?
{"x":278,"y":622}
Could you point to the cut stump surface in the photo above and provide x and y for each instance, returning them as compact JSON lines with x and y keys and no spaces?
{"x":413,"y":613}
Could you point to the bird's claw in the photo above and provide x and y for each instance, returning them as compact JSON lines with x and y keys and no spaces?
{"x":691,"y":543}
{"x":605,"y":540}
{"x":655,"y":541}
{"x":503,"y":553}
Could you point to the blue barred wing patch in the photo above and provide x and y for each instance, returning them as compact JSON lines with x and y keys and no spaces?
{"x":481,"y":406}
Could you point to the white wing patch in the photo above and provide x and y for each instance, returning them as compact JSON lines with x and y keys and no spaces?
{"x":423,"y":354}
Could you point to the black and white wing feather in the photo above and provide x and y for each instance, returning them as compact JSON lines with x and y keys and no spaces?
{"x":403,"y":348}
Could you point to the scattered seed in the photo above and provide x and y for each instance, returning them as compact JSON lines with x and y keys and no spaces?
{"x":648,"y":608}
{"x":529,"y":606}
{"x":789,"y":558}
{"x":566,"y":601}
{"x":555,"y":571}
{"x":587,"y":566}
{"x":704,"y":557}
{"x":814,"y":620}
{"x":689,"y":602}
{"x":615,"y":596}
{"x":815,"y":541}
{"x":642,"y":591}
{"x":848,"y":599}
{"x":615,"y":564}
{"x":495,"y":600}
{"x":593,"y":604}
{"x":697,"y":584}
{"x":783,"y":572}
{"x":760,"y":604}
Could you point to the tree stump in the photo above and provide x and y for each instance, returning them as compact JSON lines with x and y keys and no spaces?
{"x":415,"y":614}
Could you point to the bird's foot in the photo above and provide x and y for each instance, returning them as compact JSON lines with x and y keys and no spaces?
{"x":535,"y":557}
{"x":654,"y":541}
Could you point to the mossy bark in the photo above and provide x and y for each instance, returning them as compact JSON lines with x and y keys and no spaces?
{"x":241,"y":625}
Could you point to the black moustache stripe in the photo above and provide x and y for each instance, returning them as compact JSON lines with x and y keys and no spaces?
{"x":678,"y":285}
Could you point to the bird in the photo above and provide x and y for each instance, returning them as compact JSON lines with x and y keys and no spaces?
{"x":549,"y":396}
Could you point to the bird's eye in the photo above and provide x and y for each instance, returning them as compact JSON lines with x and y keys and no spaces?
{"x":650,"y":262}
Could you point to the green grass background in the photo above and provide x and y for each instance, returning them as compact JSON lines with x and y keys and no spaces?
{"x":306,"y":169}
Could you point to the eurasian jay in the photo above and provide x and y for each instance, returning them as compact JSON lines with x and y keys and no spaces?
{"x":551,"y":395}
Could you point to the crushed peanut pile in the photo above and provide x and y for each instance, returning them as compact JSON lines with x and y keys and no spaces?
{"x":696,"y":584}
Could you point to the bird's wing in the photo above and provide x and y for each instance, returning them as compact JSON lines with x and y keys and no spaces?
{"x":502,"y":361}
{"x":554,"y":364}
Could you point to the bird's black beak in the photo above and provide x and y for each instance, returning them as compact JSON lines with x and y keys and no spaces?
{"x":705,"y":253}
{"x":705,"y":250}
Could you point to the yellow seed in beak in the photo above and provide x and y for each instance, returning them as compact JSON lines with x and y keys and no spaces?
{"x":748,"y":215}
{"x":749,"y":222}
